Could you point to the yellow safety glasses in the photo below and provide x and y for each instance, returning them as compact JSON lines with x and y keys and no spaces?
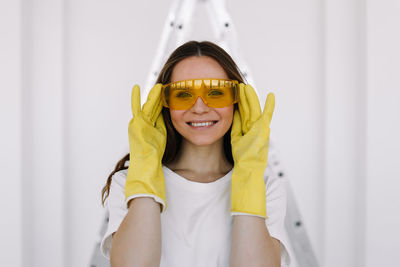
{"x":215,"y":93}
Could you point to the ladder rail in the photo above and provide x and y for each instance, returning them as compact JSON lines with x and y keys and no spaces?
{"x":294,"y":223}
{"x":225,"y":32}
{"x":166,"y":43}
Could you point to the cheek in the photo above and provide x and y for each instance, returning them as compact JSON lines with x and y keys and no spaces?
{"x":176,"y":117}
{"x":227,"y":114}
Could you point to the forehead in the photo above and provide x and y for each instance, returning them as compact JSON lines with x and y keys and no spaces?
{"x":197,"y":67}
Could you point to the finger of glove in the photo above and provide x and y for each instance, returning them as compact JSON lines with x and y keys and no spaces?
{"x":160,"y":125}
{"x":244,"y":109}
{"x":153,"y":106}
{"x":269,"y":108}
{"x":254,"y":104}
{"x":236,"y":126}
{"x":135,"y":100}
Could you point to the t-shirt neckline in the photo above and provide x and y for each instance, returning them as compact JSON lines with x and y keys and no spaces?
{"x":181,"y":181}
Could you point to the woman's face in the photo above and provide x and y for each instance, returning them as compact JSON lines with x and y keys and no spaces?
{"x":193,"y":68}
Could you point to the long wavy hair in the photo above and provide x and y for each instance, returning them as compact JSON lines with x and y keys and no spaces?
{"x":174,"y":139}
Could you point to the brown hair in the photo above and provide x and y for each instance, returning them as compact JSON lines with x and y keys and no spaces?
{"x":174,"y":139}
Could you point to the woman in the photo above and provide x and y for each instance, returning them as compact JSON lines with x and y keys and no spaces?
{"x":199,"y":146}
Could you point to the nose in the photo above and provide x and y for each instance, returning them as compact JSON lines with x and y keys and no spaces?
{"x":199,"y":106}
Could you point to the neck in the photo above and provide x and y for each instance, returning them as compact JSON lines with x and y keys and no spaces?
{"x":201,"y":161}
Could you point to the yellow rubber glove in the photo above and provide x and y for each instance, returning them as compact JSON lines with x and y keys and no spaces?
{"x":147,"y":140}
{"x":250,"y":142}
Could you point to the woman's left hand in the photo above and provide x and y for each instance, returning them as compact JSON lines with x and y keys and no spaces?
{"x":250,"y":143}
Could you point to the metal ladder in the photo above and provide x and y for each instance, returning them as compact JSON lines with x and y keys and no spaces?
{"x":176,"y":30}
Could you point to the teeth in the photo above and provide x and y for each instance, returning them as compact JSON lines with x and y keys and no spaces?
{"x":199,"y":124}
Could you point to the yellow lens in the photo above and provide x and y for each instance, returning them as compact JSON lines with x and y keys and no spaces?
{"x":215,"y":93}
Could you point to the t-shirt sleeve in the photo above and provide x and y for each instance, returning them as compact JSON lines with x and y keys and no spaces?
{"x":276,"y":211}
{"x":116,"y":208}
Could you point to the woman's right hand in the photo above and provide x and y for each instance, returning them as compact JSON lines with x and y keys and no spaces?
{"x":147,"y":140}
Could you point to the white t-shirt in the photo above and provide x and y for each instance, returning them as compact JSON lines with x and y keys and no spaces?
{"x":197,"y":225}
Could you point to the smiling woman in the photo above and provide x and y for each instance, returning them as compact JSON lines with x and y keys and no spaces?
{"x":200,"y":146}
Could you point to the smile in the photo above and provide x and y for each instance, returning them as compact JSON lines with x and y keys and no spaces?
{"x":205,"y":124}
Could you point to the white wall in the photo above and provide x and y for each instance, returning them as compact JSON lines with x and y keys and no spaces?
{"x":10,"y":138}
{"x":383,"y":131}
{"x":67,"y":71}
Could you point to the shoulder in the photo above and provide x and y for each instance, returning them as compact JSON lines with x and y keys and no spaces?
{"x":117,"y":188}
{"x":275,"y":189}
{"x":119,"y":178}
{"x":120,"y":175}
{"x":273,"y":181}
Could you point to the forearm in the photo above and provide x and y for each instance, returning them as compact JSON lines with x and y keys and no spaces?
{"x":252,"y":245}
{"x":138,"y":239}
